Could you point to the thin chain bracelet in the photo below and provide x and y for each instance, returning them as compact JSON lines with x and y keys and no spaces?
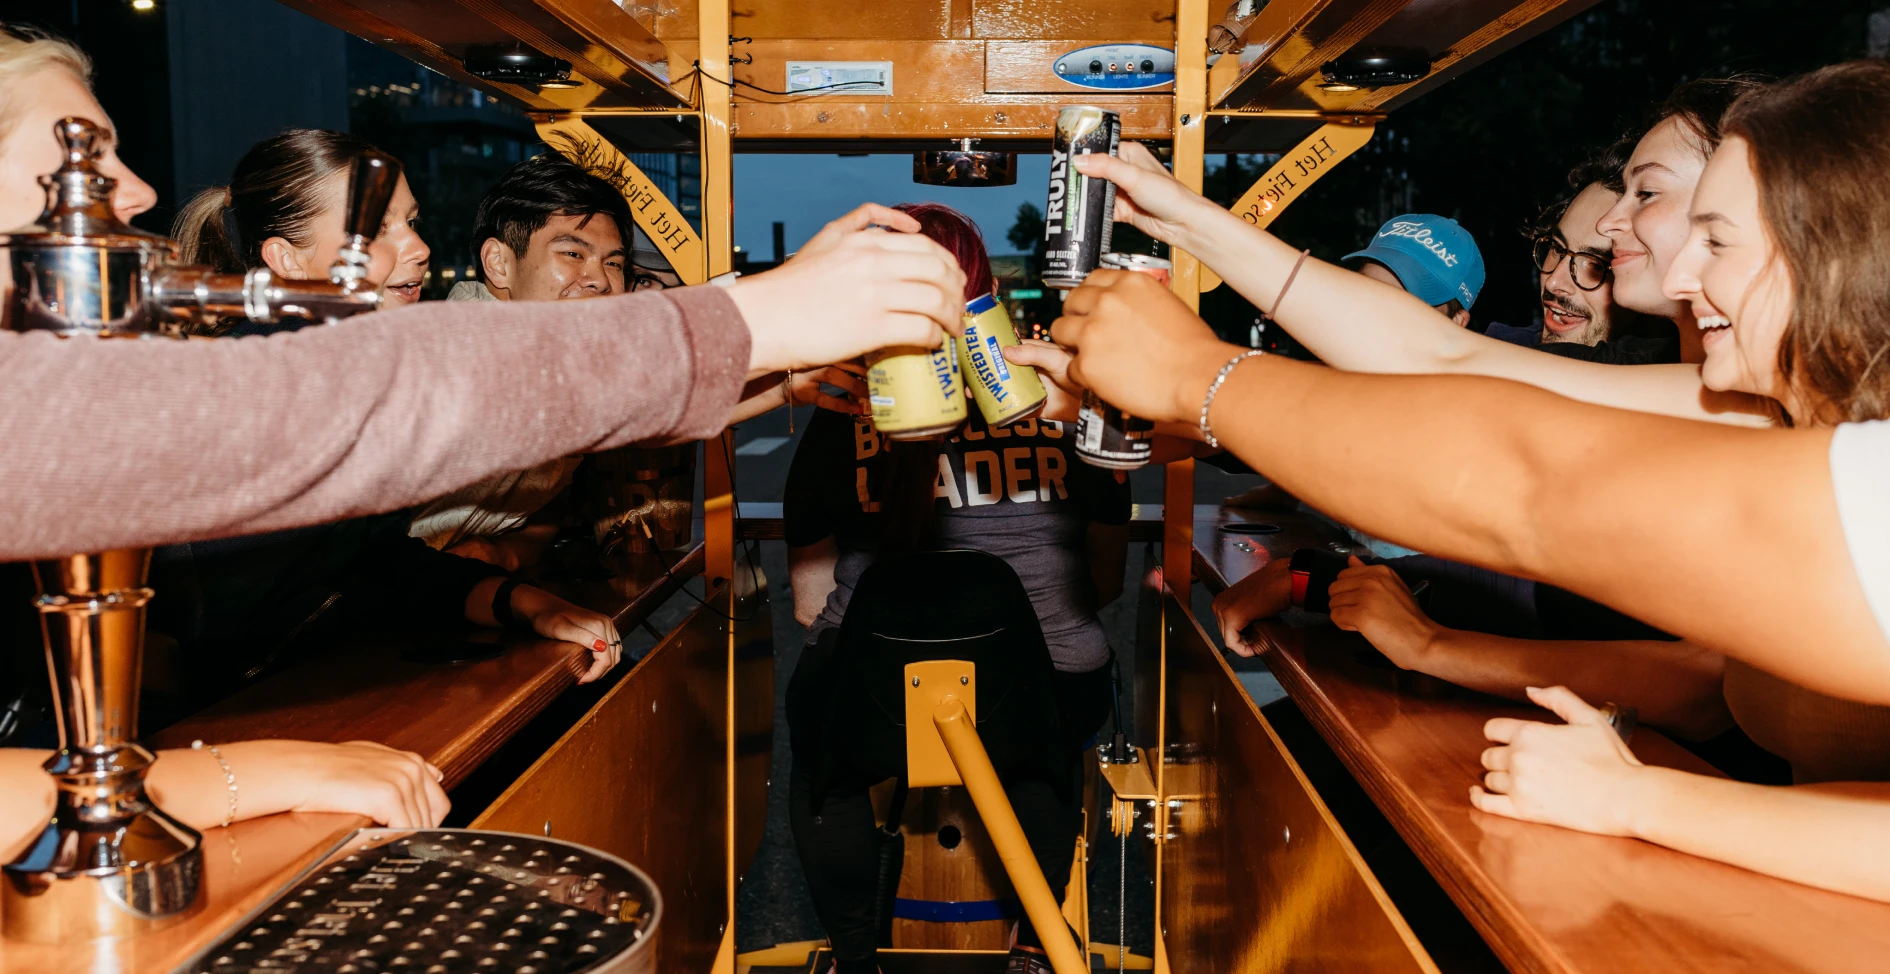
{"x":229,"y":777}
{"x":787,"y":393}
{"x":1206,"y":432}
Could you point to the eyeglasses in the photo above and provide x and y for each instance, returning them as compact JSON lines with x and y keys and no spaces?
{"x":1589,"y":271}
{"x":641,"y":280}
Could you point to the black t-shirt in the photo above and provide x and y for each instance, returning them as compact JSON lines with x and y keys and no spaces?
{"x":1626,"y":350}
{"x":1017,"y":492}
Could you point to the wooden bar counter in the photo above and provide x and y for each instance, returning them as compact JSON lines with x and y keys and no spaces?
{"x":454,"y":715}
{"x":1544,"y":898}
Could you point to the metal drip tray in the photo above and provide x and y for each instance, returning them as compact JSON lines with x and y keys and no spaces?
{"x":444,"y":902}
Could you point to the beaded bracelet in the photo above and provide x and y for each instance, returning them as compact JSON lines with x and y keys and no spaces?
{"x":229,"y":777}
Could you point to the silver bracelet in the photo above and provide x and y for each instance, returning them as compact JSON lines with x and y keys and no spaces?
{"x":787,"y":393}
{"x":1206,"y":432}
{"x":229,"y":777}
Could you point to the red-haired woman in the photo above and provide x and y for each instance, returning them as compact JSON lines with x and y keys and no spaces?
{"x":1019,"y":493}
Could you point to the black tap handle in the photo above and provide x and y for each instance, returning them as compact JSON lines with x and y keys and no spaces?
{"x":370,"y":188}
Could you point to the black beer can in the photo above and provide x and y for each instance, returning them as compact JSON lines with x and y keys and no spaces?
{"x":1080,"y":217}
{"x":1109,"y":438}
{"x":1106,"y":436}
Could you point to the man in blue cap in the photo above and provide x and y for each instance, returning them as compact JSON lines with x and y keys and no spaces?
{"x":1430,"y":256}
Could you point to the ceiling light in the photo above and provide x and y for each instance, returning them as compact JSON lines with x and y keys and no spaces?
{"x":1353,"y":73}
{"x":144,"y":4}
{"x":516,"y":64}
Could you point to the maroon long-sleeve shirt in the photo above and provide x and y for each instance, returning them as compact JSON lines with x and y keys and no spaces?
{"x":110,"y":444}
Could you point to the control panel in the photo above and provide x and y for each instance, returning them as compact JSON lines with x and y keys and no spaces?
{"x":1117,"y":67}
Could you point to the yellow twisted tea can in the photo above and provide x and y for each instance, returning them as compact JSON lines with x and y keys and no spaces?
{"x":1006,"y":393}
{"x":916,"y":393}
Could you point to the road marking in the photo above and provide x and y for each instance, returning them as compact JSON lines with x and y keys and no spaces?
{"x":761,"y":446}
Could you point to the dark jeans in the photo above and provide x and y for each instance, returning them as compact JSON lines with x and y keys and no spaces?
{"x":838,"y":841}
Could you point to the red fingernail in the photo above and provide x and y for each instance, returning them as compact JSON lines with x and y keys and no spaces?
{"x":599,"y":646}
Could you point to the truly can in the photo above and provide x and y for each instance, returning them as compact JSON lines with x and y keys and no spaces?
{"x":1158,"y":268}
{"x":1080,"y":217}
{"x":1006,"y":393}
{"x":916,"y":393}
{"x":1106,"y":436}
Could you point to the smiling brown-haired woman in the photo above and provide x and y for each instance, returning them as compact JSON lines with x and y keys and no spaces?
{"x":1820,"y":152}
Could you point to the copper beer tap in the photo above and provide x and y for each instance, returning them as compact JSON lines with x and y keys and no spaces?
{"x":110,"y":863}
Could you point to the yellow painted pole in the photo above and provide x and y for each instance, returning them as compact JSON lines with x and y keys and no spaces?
{"x":1000,"y":822}
{"x":1191,"y":20}
{"x":718,"y":508}
{"x":1190,"y":147}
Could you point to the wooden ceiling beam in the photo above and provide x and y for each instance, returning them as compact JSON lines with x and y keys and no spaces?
{"x":1297,"y":41}
{"x":617,"y":60}
{"x":1527,"y":19}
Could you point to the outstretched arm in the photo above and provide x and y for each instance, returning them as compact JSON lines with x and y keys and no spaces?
{"x":1580,"y":775}
{"x":1675,"y":686}
{"x":185,"y":441}
{"x":1352,"y":322}
{"x":1727,"y":537}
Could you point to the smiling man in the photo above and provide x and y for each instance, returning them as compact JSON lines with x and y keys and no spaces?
{"x":1572,"y":267}
{"x":549,"y":229}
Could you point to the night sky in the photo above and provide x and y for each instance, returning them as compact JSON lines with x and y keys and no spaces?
{"x":805,"y":191}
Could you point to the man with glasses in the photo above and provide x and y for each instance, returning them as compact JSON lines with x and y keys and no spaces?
{"x":1579,"y":316}
{"x":1572,"y":267}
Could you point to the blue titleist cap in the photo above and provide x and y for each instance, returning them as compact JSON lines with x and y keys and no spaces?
{"x":1435,"y":259}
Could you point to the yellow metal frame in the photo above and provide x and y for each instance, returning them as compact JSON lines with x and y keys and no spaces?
{"x":930,"y":685}
{"x":960,"y":734}
{"x":943,"y":757}
{"x":1299,"y":168}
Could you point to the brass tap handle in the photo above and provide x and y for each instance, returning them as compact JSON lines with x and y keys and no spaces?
{"x":370,"y":188}
{"x":79,"y":137}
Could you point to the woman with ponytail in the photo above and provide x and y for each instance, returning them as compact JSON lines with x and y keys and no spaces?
{"x":283,"y":210}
